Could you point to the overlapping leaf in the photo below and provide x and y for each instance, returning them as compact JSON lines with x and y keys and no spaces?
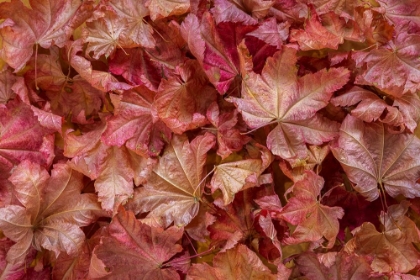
{"x":131,"y":243}
{"x":232,"y":177}
{"x":389,"y":160}
{"x":44,"y":24}
{"x":135,"y":123}
{"x":292,"y":102}
{"x":114,"y":168}
{"x":214,"y":46}
{"x":173,"y":190}
{"x":182,"y":100}
{"x":313,"y":219}
{"x":50,"y":213}
{"x":237,"y":263}
{"x":229,"y":138}
{"x":395,"y":66}
{"x":22,"y":138}
{"x":391,"y":248}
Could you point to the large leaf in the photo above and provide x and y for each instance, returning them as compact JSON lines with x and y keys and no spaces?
{"x":22,"y":137}
{"x":232,"y":177}
{"x":174,"y":189}
{"x":135,"y":123}
{"x":182,"y":100}
{"x":133,"y":249}
{"x":375,"y":159}
{"x":394,"y":65}
{"x":313,"y":219}
{"x":401,"y":12}
{"x":46,"y":23}
{"x":279,"y":95}
{"x":239,"y":10}
{"x":239,"y":263}
{"x":51,"y":213}
{"x":214,"y":46}
{"x":345,"y":266}
{"x":114,"y":168}
{"x":391,"y":248}
{"x":132,"y":13}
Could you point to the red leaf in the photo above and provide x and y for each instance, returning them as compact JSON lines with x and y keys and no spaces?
{"x":237,"y":263}
{"x":165,"y":8}
{"x":131,"y":242}
{"x":313,"y":219}
{"x":174,"y":189}
{"x":392,"y":248}
{"x":290,"y":101}
{"x":232,"y":177}
{"x":400,"y":12}
{"x":22,"y":138}
{"x":271,"y":32}
{"x":46,"y":23}
{"x":376,"y":159}
{"x":345,"y":266}
{"x":113,"y":168}
{"x":394,"y":65}
{"x":370,"y":107}
{"x":177,"y":102}
{"x":136,"y":29}
{"x":239,"y":10}
{"x":51,"y":213}
{"x":7,"y":80}
{"x":229,"y":138}
{"x":135,"y":123}
{"x":215,"y":47}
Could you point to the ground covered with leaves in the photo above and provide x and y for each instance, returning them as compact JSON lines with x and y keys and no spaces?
{"x":224,"y":139}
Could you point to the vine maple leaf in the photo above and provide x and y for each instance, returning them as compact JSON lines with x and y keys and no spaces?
{"x":271,"y":32}
{"x":392,"y":249}
{"x":104,"y":35}
{"x":114,"y":168}
{"x":278,"y":95}
{"x":370,"y":107}
{"x":229,"y":138}
{"x":313,"y":219}
{"x":394,"y":65}
{"x":165,"y":8}
{"x":101,"y":80}
{"x":138,"y":67}
{"x":177,"y":102}
{"x":343,"y":8}
{"x":69,"y":267}
{"x":247,"y":12}
{"x":131,"y":242}
{"x":237,"y":263}
{"x":215,"y":47}
{"x":173,"y":190}
{"x":7,"y":82}
{"x":22,"y":137}
{"x":315,"y":36}
{"x":235,"y":222}
{"x":389,"y":160}
{"x":344,"y":266}
{"x":51,"y":210}
{"x":135,"y":123}
{"x":44,"y":24}
{"x":400,"y":12}
{"x":67,"y":95}
{"x":132,"y":13}
{"x":232,"y":177}
{"x":16,"y":270}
